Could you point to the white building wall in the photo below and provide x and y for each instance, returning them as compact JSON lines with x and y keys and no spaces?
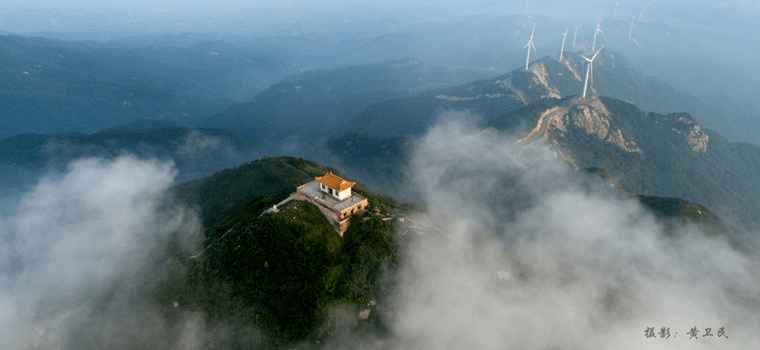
{"x":333,"y":192}
{"x":344,"y":194}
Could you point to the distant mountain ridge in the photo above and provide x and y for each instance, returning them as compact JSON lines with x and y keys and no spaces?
{"x":662,"y":155}
{"x":689,"y":63}
{"x":195,"y":152}
{"x":652,"y":154}
{"x":314,"y":103}
{"x":545,"y":78}
{"x":51,"y":86}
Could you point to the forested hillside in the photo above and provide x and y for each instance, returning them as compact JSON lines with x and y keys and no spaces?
{"x":291,"y":276}
{"x":288,"y":273}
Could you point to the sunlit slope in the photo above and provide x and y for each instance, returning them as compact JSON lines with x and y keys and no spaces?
{"x":669,"y":155}
{"x":692,"y":63}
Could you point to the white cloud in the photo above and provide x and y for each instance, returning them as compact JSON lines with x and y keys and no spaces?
{"x":96,"y":228}
{"x":195,"y":142}
{"x":586,"y":270}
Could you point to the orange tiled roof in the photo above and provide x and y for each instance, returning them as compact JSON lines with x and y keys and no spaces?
{"x":335,"y":181}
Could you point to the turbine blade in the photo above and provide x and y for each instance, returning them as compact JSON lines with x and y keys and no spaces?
{"x":530,"y":41}
{"x":597,"y":52}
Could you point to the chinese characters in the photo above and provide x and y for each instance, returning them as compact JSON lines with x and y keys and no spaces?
{"x":693,"y":333}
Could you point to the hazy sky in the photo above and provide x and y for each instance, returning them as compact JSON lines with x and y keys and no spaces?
{"x":288,"y":10}
{"x":397,"y":6}
{"x":220,"y":16}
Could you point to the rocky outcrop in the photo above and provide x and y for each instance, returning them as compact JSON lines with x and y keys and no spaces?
{"x":688,"y":128}
{"x":588,"y":116}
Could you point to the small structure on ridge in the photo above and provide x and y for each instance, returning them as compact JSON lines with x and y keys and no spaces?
{"x":335,"y":186}
{"x":334,"y":198}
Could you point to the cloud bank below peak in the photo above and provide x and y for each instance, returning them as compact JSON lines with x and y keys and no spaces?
{"x":567,"y":268}
{"x":80,"y":247}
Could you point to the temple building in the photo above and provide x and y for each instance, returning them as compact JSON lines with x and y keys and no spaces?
{"x":335,"y":186}
{"x":334,"y":198}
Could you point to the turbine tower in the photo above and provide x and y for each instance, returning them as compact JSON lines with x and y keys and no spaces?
{"x":530,"y":45}
{"x":641,"y":12}
{"x":630,"y":32}
{"x":562,"y":50}
{"x":577,"y":26}
{"x":596,"y":33}
{"x":590,"y":68}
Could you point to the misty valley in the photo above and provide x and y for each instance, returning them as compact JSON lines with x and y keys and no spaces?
{"x":384,"y":176}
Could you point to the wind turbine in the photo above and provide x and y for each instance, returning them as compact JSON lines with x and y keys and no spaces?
{"x":562,"y":51}
{"x":590,"y":68}
{"x":630,"y":32}
{"x":577,"y":26}
{"x":614,"y":14}
{"x":596,"y":33}
{"x":641,"y":13}
{"x":530,"y":45}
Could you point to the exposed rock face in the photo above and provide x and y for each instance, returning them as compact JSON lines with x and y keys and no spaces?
{"x":540,"y":86}
{"x":685,"y":125}
{"x":665,"y":155}
{"x":546,"y":78}
{"x":507,"y":85}
{"x":558,"y":123}
{"x":542,"y":79}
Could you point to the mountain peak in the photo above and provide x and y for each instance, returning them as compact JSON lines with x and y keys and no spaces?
{"x":140,"y":125}
{"x":586,"y":116}
{"x":602,"y":119}
{"x":546,"y":78}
